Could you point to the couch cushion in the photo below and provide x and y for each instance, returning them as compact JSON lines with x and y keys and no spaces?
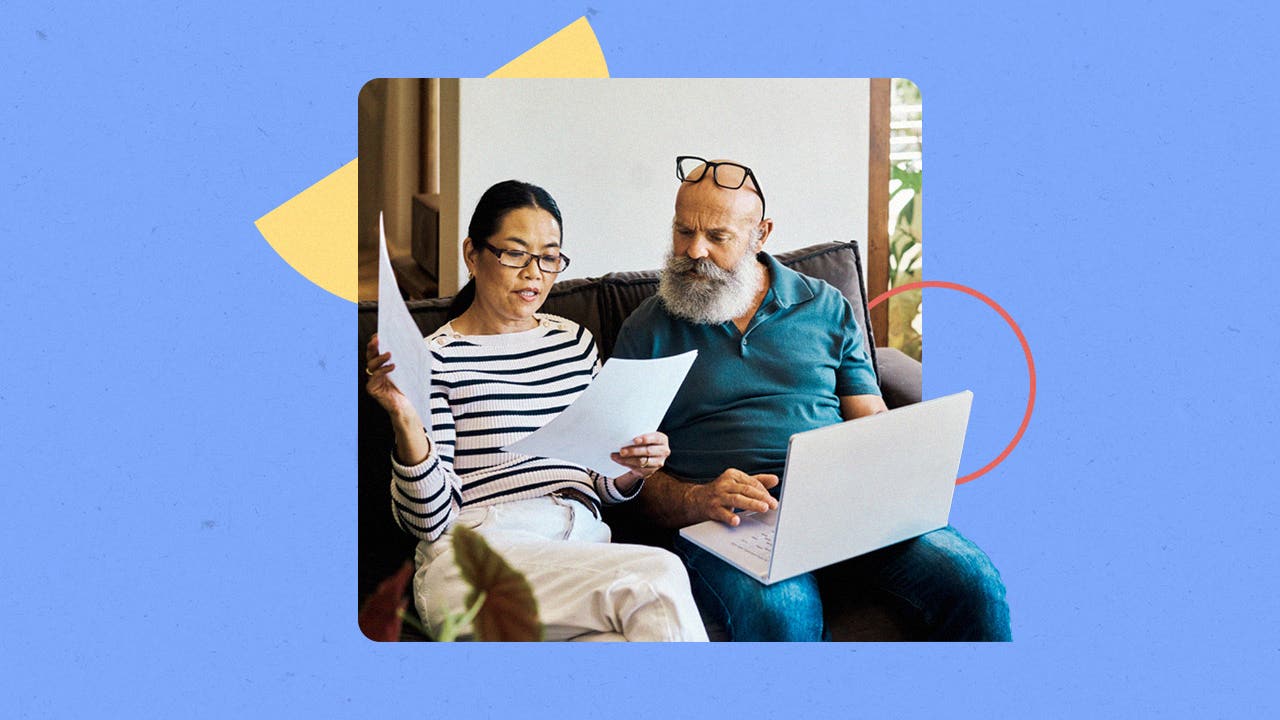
{"x":839,"y":265}
{"x":621,"y":293}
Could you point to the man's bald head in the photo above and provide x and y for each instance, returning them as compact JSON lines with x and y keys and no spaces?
{"x":707,"y":185}
{"x":719,"y":211}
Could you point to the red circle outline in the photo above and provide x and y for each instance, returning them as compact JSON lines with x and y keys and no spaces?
{"x":1026,"y":350}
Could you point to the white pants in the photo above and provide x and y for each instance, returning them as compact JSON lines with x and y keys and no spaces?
{"x":582,"y":583}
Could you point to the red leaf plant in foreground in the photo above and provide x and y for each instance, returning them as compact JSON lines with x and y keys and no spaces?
{"x":380,"y":617}
{"x":501,"y":603}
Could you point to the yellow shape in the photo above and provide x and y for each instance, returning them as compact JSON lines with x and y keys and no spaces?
{"x":316,"y":231}
{"x":574,"y":52}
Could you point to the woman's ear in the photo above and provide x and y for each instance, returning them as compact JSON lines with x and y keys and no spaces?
{"x":468,"y":255}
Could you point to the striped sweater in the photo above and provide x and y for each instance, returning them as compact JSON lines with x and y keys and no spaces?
{"x":488,"y":391}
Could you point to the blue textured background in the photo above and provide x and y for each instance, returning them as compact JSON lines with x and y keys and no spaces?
{"x":177,"y":420}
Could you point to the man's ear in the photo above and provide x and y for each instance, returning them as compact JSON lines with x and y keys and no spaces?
{"x":766,"y":229}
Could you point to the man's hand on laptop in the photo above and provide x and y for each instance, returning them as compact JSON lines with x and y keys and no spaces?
{"x":733,"y":490}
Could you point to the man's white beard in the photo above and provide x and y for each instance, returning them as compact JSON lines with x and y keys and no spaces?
{"x":711,"y":295}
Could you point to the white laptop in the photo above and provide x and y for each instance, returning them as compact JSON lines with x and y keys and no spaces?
{"x":849,"y":489}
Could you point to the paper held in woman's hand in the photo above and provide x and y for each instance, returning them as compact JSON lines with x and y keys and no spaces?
{"x":399,"y":334}
{"x":628,"y":398}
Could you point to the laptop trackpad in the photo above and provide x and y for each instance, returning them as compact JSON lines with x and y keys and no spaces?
{"x":749,"y":546}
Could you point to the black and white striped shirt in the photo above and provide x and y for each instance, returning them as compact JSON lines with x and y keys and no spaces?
{"x":488,"y":391}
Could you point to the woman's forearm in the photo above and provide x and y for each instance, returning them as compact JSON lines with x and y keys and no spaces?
{"x":412,"y":444}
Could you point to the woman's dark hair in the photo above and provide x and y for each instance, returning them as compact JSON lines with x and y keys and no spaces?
{"x":493,"y":206}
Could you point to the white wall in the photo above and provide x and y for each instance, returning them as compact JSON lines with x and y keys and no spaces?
{"x":605,"y":150}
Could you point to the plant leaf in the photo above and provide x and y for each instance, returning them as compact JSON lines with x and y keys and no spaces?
{"x":412,"y":622}
{"x":380,"y":616}
{"x":448,"y":631}
{"x":910,"y":180}
{"x":509,"y":610}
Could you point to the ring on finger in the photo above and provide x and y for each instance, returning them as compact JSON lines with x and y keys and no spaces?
{"x":644,"y":461}
{"x":367,"y":371}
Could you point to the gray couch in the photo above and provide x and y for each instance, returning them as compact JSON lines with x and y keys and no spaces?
{"x":601,"y":304}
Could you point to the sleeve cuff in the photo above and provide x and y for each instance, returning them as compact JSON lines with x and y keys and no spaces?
{"x":613,"y":495}
{"x":858,"y":390}
{"x":414,"y":472}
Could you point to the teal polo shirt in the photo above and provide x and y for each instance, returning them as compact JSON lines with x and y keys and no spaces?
{"x":748,"y":392}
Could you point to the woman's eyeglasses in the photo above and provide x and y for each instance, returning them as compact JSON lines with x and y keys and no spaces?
{"x":521,"y":259}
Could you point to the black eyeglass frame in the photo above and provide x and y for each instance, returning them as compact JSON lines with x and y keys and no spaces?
{"x":715,"y":176}
{"x":528,"y":257}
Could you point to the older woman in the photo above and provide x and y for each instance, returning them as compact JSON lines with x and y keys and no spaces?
{"x":501,"y":370}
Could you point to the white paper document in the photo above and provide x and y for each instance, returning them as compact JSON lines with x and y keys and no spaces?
{"x":399,"y":334}
{"x":628,"y":398}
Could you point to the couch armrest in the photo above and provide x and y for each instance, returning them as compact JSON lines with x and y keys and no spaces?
{"x":900,"y":377}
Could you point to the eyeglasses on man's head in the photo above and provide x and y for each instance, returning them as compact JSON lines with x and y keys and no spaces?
{"x":728,"y":175}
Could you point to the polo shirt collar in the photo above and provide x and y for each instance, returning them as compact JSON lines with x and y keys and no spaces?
{"x":789,"y":288}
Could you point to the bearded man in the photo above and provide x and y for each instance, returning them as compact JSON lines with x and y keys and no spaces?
{"x":778,"y":353}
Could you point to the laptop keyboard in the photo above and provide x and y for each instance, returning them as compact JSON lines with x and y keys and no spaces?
{"x":759,"y":544}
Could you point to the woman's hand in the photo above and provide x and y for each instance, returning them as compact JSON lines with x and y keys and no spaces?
{"x":380,"y":387}
{"x":412,"y":444}
{"x":645,"y":455}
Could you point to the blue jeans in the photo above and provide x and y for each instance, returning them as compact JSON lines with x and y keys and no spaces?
{"x":940,"y":579}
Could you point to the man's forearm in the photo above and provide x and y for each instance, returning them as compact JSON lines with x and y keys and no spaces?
{"x":667,"y":501}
